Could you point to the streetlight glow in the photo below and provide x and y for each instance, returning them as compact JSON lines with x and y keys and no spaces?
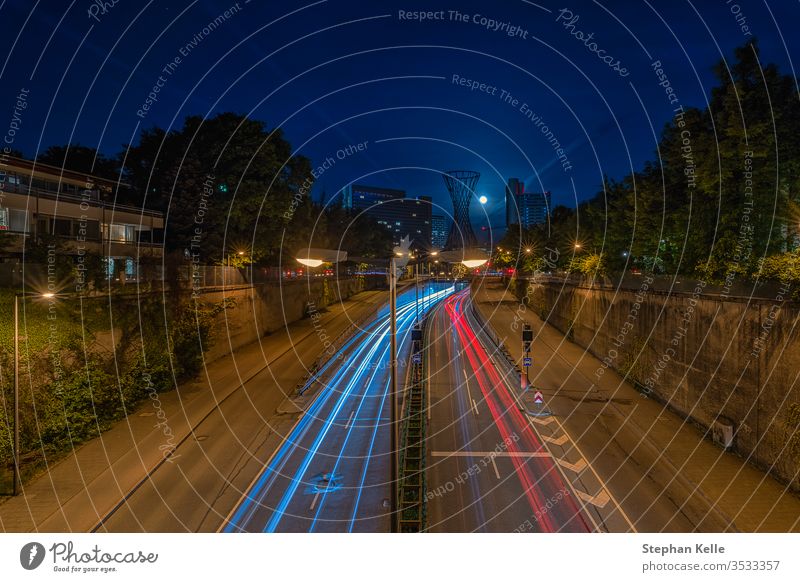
{"x":473,"y":263}
{"x":483,"y":200}
{"x":310,"y":262}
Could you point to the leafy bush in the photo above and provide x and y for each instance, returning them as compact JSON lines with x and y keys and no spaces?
{"x":784,"y":267}
{"x":590,"y":264}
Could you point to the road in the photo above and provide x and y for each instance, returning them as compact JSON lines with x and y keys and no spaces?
{"x":332,"y":472}
{"x":225,"y":427}
{"x":627,"y":482}
{"x":488,"y":469}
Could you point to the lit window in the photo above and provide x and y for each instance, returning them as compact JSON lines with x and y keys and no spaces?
{"x":120,"y":233}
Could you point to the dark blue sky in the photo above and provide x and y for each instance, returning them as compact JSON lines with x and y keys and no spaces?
{"x":335,"y":73}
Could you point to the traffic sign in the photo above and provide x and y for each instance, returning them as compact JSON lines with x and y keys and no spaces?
{"x":526,"y":362}
{"x":417,"y":358}
{"x":538,"y":398}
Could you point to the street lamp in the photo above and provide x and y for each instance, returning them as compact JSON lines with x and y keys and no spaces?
{"x":393,"y":408}
{"x":315,"y":257}
{"x":473,"y":263}
{"x":17,"y":478}
{"x":483,"y":200}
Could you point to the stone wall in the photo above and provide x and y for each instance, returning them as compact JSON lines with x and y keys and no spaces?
{"x":263,"y":309}
{"x":705,"y":356}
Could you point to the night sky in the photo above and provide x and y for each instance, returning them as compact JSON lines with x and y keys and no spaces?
{"x":337,"y":73}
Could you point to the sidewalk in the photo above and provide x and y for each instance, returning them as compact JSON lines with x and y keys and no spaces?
{"x":710,"y":487}
{"x":77,"y":491}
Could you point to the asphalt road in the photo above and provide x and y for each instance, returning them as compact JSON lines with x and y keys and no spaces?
{"x":488,"y":470}
{"x":625,"y":481}
{"x":332,"y":473}
{"x":211,"y":469}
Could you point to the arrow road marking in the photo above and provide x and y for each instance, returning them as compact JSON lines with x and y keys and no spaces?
{"x":576,"y":468}
{"x":598,"y":500}
{"x":560,"y":441}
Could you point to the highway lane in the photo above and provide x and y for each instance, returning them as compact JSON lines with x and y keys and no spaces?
{"x":649,"y":494}
{"x":332,"y":473}
{"x":488,"y":470}
{"x":230,"y":437}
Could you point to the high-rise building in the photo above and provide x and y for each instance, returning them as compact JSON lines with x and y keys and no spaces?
{"x":525,"y":208}
{"x":390,"y":208}
{"x":438,"y":231}
{"x":514,"y":188}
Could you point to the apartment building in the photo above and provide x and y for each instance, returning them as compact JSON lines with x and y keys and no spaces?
{"x":38,"y":201}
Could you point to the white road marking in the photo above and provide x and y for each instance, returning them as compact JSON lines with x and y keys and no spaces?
{"x":523,"y":454}
{"x":576,"y":468}
{"x":563,"y":439}
{"x":466,"y":383}
{"x":314,"y":502}
{"x":600,"y":500}
{"x":496,"y":472}
{"x":350,"y":420}
{"x":543,"y":421}
{"x":602,"y":484}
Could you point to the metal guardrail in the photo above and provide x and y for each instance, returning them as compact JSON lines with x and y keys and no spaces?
{"x":487,"y":328}
{"x":411,"y":487}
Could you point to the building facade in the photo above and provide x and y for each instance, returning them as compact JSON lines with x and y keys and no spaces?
{"x":391,"y":209}
{"x":526,"y":208}
{"x":439,"y":230}
{"x":40,"y":202}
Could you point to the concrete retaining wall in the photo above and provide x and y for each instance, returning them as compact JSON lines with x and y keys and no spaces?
{"x":708,"y":358}
{"x":263,"y":309}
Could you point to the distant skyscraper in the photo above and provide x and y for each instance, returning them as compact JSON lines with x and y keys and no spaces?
{"x":438,"y":231}
{"x":390,"y":208}
{"x":525,"y":208}
{"x":514,"y":188}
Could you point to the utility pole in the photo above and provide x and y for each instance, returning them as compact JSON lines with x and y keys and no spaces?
{"x":416,"y":291}
{"x":15,"y":452}
{"x":393,"y":389}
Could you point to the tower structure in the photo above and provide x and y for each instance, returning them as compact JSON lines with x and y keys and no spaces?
{"x":461,"y":186}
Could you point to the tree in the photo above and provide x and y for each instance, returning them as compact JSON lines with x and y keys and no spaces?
{"x":242,"y":178}
{"x":82,"y":159}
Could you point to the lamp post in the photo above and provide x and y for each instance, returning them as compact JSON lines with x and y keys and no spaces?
{"x":17,"y":478}
{"x":15,"y":445}
{"x":393,"y":390}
